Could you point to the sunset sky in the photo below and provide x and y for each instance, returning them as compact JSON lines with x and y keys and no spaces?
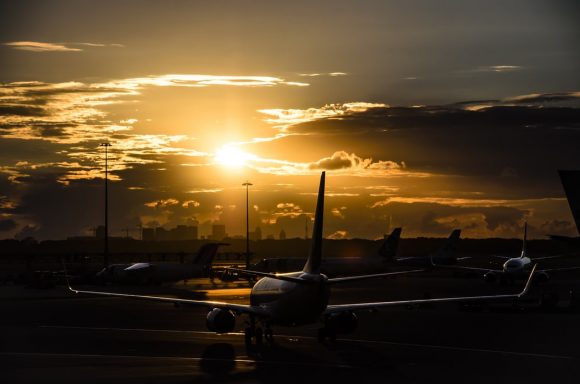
{"x":430,"y":115}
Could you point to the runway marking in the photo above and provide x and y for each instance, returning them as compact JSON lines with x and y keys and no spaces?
{"x":237,"y":360}
{"x":296,"y":337}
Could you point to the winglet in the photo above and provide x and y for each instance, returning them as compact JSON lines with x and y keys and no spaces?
{"x":315,"y":257}
{"x":66,"y":276}
{"x":524,"y":251}
{"x":529,"y":282}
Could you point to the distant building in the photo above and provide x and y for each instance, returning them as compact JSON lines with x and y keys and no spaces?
{"x":179,"y":233}
{"x":256,"y":235}
{"x":218,"y":232}
{"x":282,"y":235}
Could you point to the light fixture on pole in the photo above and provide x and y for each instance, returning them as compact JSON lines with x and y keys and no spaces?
{"x":247,"y":184}
{"x":106,"y":253}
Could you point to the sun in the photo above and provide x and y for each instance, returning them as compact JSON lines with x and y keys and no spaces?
{"x":231,"y":157}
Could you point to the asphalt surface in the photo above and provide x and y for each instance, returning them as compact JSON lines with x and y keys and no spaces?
{"x":53,"y":337}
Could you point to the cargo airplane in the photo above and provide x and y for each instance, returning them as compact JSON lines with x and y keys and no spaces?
{"x":297,"y":298}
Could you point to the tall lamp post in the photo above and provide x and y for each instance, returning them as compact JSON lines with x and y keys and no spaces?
{"x":247,"y":184}
{"x":106,"y":254}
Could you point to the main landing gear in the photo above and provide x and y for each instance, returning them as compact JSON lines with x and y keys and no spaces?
{"x":255,"y":335}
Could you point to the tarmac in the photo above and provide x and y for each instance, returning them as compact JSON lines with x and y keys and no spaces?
{"x":53,"y":336}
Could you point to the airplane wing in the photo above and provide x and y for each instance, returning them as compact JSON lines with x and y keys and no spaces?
{"x":278,"y":276}
{"x":376,"y":275}
{"x":560,"y":269}
{"x":464,"y":268}
{"x":139,"y":267}
{"x":238,"y":308}
{"x":550,"y":257}
{"x":369,"y":306}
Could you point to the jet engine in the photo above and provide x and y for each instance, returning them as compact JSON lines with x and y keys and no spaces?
{"x":220,"y":320}
{"x":340,"y":323}
{"x":490,"y":277}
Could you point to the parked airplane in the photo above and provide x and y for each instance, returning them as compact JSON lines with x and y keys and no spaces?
{"x":514,"y":267}
{"x":383,"y":261}
{"x":297,"y":298}
{"x":571,"y":183}
{"x":335,"y":266}
{"x":156,"y":273}
{"x":446,"y":255}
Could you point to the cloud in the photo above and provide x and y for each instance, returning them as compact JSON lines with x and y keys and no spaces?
{"x":7,"y":225}
{"x":72,"y":113}
{"x":36,"y":46}
{"x":331,"y":74}
{"x":190,"y":204}
{"x":339,"y":163}
{"x":502,"y":68}
{"x":285,"y":118}
{"x":164,"y":203}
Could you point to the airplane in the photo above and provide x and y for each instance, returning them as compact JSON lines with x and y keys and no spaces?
{"x":571,"y":182}
{"x":297,"y":298}
{"x":156,"y":273}
{"x":383,"y":261}
{"x":513,"y":267}
{"x":446,"y":255}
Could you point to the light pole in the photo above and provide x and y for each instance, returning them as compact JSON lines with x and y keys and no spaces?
{"x":247,"y":184}
{"x":106,"y":254}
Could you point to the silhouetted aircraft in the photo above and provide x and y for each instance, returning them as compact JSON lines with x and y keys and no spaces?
{"x":335,"y":266}
{"x":571,"y":183}
{"x":297,"y":298}
{"x":156,"y":273}
{"x":383,"y":261}
{"x":514,"y":267}
{"x":446,"y":255}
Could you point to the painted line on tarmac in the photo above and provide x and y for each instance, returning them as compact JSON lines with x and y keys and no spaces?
{"x":242,"y":359}
{"x":462,"y":349}
{"x":394,"y":343}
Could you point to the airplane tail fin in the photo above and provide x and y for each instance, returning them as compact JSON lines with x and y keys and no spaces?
{"x":206,"y":253}
{"x":524,"y":251}
{"x":571,"y":183}
{"x":450,"y":245}
{"x":315,"y":257}
{"x":388,"y":248}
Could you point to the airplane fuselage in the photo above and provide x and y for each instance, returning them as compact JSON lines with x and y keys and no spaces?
{"x":517,"y":266}
{"x":290,"y":303}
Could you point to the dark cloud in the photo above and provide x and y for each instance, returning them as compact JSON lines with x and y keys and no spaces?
{"x":7,"y":225}
{"x":21,"y":110}
{"x":338,"y":160}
